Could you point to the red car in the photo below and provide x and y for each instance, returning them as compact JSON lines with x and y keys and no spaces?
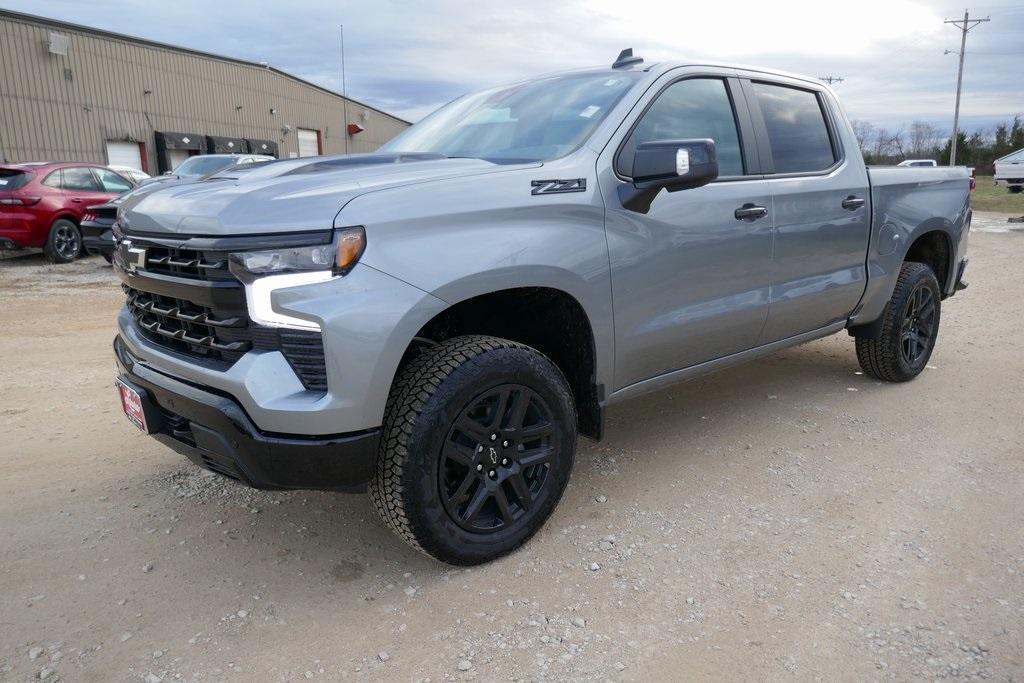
{"x":42,"y":203}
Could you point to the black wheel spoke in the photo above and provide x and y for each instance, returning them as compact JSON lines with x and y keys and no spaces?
{"x":535,"y":432}
{"x":464,"y":455}
{"x":473,"y":429}
{"x":502,"y":501}
{"x":475,"y":504}
{"x":537,"y":456}
{"x":520,"y":404}
{"x":499,"y":410}
{"x":463,"y":490}
{"x":521,"y":489}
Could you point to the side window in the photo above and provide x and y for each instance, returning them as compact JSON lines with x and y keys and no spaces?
{"x":111,"y":181}
{"x":52,"y":180}
{"x":797,"y":133}
{"x":692,"y":108}
{"x":80,"y":178}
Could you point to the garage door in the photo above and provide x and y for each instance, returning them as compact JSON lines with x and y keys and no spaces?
{"x":175,"y":157}
{"x":124,"y":154}
{"x":309,"y":143}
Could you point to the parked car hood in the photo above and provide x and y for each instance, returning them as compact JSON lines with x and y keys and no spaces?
{"x":284,"y":196}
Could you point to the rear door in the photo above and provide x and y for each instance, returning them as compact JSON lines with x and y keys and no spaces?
{"x":820,"y":206}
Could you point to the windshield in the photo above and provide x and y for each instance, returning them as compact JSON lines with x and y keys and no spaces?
{"x":534,"y":121}
{"x":202,"y":165}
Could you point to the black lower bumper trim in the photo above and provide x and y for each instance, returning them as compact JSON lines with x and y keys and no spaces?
{"x":214,"y":432}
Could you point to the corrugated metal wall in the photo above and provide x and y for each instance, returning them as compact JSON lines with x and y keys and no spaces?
{"x":55,"y":107}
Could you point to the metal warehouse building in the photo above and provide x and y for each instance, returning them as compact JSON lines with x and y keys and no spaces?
{"x":74,"y":93}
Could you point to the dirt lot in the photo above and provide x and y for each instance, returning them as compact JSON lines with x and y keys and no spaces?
{"x":786,"y":519}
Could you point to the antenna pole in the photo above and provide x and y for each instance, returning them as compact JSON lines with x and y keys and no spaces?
{"x":344,"y":91}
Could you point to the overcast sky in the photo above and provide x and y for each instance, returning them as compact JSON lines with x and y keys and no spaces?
{"x":410,"y":57}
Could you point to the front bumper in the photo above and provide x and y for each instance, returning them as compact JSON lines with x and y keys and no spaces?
{"x":212,"y":430}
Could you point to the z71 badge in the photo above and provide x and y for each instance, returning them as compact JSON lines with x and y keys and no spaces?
{"x":558,"y":186}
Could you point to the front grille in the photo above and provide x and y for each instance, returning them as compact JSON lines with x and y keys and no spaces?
{"x":188,"y":328}
{"x":188,"y":263}
{"x":198,"y":309}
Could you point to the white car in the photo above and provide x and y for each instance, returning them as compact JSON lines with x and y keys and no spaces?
{"x":918,"y":162}
{"x":132,"y":173}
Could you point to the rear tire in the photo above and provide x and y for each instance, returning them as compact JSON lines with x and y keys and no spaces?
{"x":64,"y":242}
{"x":478,"y":443}
{"x":1015,"y":189}
{"x":909,"y":328}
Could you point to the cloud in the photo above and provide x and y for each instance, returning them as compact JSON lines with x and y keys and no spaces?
{"x":409,"y":58}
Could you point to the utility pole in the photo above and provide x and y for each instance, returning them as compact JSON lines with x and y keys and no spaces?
{"x":965,"y":25}
{"x":344,"y":91}
{"x":830,"y":79}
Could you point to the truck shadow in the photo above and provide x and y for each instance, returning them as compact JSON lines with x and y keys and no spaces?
{"x":344,"y":552}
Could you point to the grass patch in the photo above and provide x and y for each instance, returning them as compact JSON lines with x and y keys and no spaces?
{"x":991,"y":197}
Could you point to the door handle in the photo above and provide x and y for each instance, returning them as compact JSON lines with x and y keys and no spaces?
{"x":76,"y":200}
{"x":750,"y":212}
{"x":852,"y":203}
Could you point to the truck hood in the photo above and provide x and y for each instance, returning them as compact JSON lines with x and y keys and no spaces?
{"x":291,"y":195}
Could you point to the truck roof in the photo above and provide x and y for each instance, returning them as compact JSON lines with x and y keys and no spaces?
{"x":655,"y":69}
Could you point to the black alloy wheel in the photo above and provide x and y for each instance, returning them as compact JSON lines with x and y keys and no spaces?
{"x":918,"y":325}
{"x":900,"y":349}
{"x":495,"y":460}
{"x":477,"y":446}
{"x":64,"y":243}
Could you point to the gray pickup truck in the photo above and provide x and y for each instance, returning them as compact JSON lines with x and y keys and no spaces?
{"x":440,"y":319}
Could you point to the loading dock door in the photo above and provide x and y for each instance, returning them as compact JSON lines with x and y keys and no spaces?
{"x":124,"y":154}
{"x":309,"y":142}
{"x":176,"y":156}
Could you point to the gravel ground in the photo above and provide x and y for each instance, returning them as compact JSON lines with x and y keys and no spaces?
{"x":789,"y":518}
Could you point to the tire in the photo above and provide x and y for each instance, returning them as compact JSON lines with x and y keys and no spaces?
{"x":477,"y":446}
{"x":64,"y":243}
{"x":910,"y":327}
{"x":1016,"y":189}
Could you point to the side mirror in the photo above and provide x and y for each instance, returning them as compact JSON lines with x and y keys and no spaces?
{"x":672,"y":165}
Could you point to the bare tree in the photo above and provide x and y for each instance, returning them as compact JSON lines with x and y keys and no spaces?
{"x":924,"y":138}
{"x":896,"y":144}
{"x":863,"y":130}
{"x":882,"y":143}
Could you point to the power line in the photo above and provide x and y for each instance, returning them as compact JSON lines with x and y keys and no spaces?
{"x":965,"y":25}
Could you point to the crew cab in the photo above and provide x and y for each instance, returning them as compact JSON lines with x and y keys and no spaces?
{"x":440,"y":319}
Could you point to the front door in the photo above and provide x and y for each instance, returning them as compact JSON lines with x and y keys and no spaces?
{"x":690,"y":277}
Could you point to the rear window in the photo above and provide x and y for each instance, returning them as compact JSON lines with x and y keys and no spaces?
{"x":797,"y":133}
{"x":12,"y":179}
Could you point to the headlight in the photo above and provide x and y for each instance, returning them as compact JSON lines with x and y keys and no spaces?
{"x":338,"y":257}
{"x":263,"y":272}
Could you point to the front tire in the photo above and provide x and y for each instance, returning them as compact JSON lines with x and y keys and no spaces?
{"x":478,"y":443}
{"x":64,"y":242}
{"x":909,"y":328}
